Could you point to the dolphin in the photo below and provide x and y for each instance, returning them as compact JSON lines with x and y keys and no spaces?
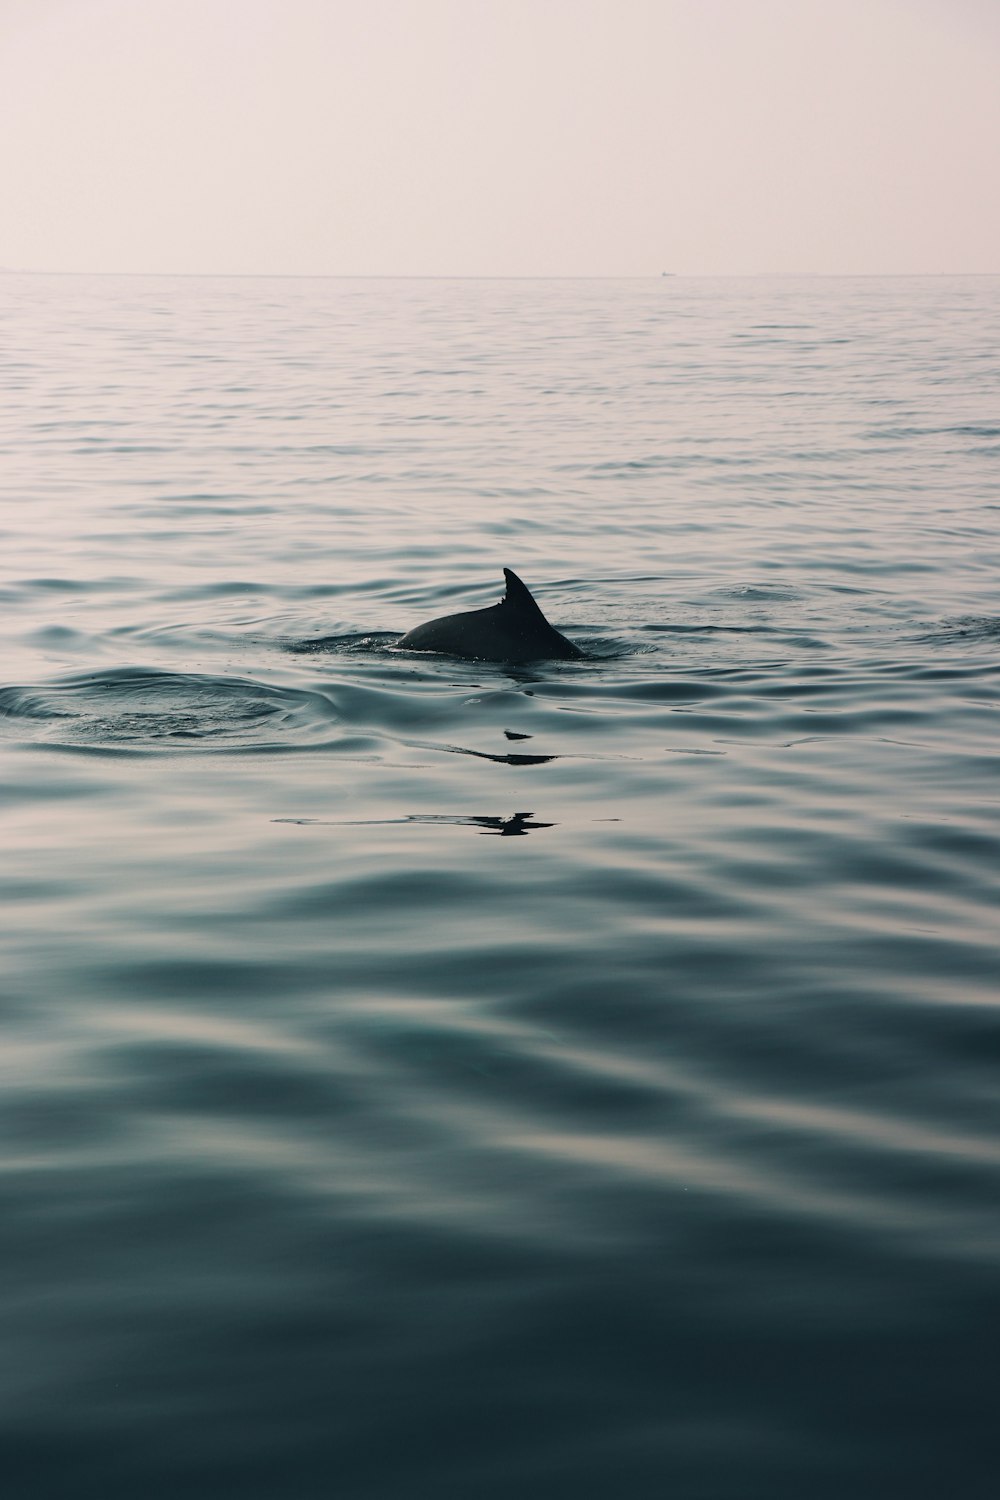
{"x":512,"y":630}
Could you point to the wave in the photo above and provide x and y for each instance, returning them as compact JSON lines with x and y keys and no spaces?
{"x":136,"y":708}
{"x":964,"y":630}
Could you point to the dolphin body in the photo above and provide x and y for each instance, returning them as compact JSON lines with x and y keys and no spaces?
{"x":513,"y":630}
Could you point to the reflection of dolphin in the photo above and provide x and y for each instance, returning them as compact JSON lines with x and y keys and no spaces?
{"x":514,"y":826}
{"x":513,"y":630}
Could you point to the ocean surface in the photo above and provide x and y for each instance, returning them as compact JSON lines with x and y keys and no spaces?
{"x":431,"y":1078}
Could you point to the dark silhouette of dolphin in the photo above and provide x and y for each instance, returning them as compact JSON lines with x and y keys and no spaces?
{"x":513,"y":630}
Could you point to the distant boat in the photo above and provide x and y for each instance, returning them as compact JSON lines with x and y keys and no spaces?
{"x":666,"y":273}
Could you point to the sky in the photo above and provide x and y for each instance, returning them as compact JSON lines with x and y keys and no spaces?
{"x":500,"y":137}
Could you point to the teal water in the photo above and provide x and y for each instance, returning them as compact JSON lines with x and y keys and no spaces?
{"x":427,"y":1078}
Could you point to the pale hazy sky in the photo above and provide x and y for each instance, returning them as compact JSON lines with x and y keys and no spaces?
{"x":500,"y":137}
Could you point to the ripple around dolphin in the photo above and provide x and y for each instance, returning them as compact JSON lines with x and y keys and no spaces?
{"x":595,"y":645}
{"x":353,"y":643}
{"x":134,"y":709}
{"x":969,"y":630}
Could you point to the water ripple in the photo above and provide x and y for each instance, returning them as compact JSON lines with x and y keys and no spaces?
{"x":461,"y":1080}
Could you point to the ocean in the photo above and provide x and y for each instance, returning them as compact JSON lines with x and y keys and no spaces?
{"x":436,"y":1078}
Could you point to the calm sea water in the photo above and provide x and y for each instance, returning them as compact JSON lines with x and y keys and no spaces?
{"x":424,"y":1078}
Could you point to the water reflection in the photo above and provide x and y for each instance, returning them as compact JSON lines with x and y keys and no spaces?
{"x":514,"y":825}
{"x":504,"y":760}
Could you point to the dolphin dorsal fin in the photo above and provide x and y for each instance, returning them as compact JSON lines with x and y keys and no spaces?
{"x":518,"y":594}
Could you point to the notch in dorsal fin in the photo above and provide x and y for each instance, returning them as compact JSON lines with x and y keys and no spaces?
{"x":518,"y":594}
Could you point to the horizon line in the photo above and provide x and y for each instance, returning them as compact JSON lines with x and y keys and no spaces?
{"x":495,"y":276}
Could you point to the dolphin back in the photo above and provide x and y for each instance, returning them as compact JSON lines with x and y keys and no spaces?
{"x":513,"y":630}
